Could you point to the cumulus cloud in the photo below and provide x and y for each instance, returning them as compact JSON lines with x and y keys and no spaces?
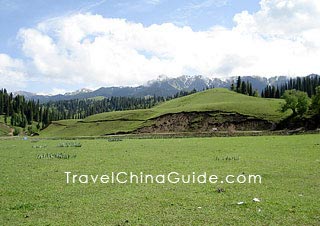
{"x":280,"y":39}
{"x":11,"y":72}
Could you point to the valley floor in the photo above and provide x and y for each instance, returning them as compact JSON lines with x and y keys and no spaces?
{"x":33,"y":188}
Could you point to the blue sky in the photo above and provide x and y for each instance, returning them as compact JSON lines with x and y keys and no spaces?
{"x":55,"y":46}
{"x":15,"y":14}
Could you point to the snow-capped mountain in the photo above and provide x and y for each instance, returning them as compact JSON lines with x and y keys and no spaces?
{"x":162,"y":86}
{"x":79,"y":91}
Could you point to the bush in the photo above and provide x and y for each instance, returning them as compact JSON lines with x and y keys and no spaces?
{"x":32,"y":130}
{"x":16,"y":131}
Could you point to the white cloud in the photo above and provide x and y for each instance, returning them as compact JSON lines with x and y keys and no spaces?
{"x":153,"y":2}
{"x":282,"y":18}
{"x":11,"y":72}
{"x":207,"y":4}
{"x":280,"y":39}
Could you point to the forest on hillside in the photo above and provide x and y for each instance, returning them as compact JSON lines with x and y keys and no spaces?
{"x":301,"y":95}
{"x":30,"y":114}
{"x":306,"y":84}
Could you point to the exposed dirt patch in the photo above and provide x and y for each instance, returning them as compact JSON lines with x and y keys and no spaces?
{"x":205,"y":122}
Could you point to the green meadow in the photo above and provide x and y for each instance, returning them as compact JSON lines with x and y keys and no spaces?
{"x":33,"y":188}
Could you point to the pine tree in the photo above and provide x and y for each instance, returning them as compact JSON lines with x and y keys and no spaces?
{"x":250,"y":90}
{"x":232,"y":88}
{"x":243,"y":87}
{"x":238,"y":85}
{"x":277,"y":94}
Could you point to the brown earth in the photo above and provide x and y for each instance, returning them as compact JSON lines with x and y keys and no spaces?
{"x":205,"y":122}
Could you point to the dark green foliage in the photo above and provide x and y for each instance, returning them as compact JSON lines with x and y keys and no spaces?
{"x":16,"y":131}
{"x":306,"y":84}
{"x":32,"y":129}
{"x":238,"y":89}
{"x":296,"y":92}
{"x":80,"y":109}
{"x":316,"y":101}
{"x":243,"y":87}
{"x":297,"y":101}
{"x":23,"y":113}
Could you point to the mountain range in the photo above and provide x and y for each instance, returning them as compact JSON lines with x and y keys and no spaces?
{"x":162,"y":86}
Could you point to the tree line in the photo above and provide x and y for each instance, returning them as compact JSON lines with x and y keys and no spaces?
{"x":305,"y":84}
{"x":301,"y":95}
{"x":82,"y":108}
{"x":18,"y":111}
{"x":244,"y":87}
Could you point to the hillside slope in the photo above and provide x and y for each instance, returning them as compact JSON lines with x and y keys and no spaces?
{"x":4,"y":129}
{"x":210,"y":102}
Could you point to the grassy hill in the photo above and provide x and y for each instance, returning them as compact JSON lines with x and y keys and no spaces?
{"x":207,"y":101}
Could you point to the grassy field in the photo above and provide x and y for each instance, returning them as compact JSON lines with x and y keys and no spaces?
{"x":126,"y":121}
{"x":34,"y":191}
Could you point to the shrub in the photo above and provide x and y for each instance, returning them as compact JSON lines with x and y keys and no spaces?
{"x":316,"y":101}
{"x":16,"y":131}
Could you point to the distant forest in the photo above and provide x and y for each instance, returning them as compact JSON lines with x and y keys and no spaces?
{"x":305,"y":84}
{"x":20,"y":112}
{"x":301,"y":95}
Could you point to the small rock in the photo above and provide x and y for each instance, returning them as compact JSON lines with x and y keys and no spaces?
{"x":256,"y":200}
{"x":240,"y":203}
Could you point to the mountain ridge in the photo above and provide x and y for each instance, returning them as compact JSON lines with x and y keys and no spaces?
{"x":162,"y":86}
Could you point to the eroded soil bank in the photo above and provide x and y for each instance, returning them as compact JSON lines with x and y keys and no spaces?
{"x":205,"y":122}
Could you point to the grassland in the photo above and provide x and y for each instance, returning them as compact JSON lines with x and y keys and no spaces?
{"x":210,"y":100}
{"x":34,"y":191}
